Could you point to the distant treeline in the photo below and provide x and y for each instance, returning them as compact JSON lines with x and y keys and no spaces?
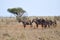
{"x":32,"y":17}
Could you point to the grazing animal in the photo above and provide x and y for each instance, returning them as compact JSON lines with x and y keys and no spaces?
{"x":44,"y":23}
{"x":39,"y":22}
{"x":34,"y":23}
{"x":54,"y":23}
{"x":27,"y":22}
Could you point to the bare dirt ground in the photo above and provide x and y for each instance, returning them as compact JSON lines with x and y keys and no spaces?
{"x":16,"y":31}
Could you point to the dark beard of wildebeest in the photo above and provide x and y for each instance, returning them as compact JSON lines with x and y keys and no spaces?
{"x":27,"y":22}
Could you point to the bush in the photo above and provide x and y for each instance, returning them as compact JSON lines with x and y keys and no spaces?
{"x":19,"y":19}
{"x":57,"y":18}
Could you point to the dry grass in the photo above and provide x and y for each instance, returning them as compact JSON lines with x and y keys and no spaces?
{"x":16,"y":31}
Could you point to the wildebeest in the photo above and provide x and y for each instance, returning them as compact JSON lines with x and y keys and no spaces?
{"x":43,"y":22}
{"x":54,"y":23}
{"x":34,"y":23}
{"x":39,"y":22}
{"x":27,"y":22}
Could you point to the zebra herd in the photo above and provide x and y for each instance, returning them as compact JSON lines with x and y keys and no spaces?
{"x":43,"y":22}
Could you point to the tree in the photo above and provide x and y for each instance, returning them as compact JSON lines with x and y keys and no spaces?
{"x":18,"y":12}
